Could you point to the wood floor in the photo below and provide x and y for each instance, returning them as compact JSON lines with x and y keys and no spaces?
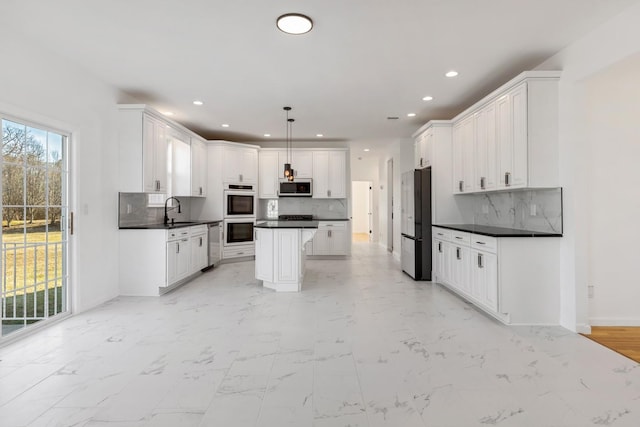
{"x":360,"y":237}
{"x":622,"y":339}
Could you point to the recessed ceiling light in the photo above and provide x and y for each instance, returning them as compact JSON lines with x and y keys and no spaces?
{"x":224,"y":125}
{"x":428,"y":98}
{"x":168,"y":113}
{"x":294,"y":23}
{"x":367,"y":150}
{"x":267,"y":135}
{"x":411,"y":115}
{"x":198,"y":103}
{"x":319,"y":135}
{"x":451,"y":73}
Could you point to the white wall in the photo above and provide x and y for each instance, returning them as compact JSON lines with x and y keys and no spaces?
{"x":401,"y":151}
{"x":46,"y":89}
{"x":613,"y":135}
{"x":606,"y":45}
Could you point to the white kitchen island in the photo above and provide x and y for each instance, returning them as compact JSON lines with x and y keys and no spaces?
{"x":280,"y":253}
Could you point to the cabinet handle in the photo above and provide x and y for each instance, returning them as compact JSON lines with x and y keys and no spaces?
{"x":458,"y":237}
{"x":482,"y":182}
{"x":481,"y":243}
{"x":255,"y":235}
{"x":240,"y":177}
{"x":458,"y":253}
{"x":240,"y":253}
{"x":440,"y":234}
{"x":201,"y":191}
{"x":461,"y":185}
{"x":440,"y":247}
{"x":507,"y":178}
{"x":480,"y":263}
{"x":178,"y":247}
{"x":157,"y":185}
{"x":201,"y":242}
{"x":329,"y":193}
{"x":421,"y":160}
{"x":329,"y":233}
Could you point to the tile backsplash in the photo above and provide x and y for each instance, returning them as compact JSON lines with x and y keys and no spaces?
{"x":320,"y":208}
{"x":536,"y":210}
{"x":146,"y":209}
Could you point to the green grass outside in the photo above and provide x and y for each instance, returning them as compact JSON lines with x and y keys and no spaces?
{"x":55,"y":305}
{"x":38,"y":268}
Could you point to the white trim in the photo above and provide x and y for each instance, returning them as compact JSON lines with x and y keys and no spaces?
{"x":614,"y":321}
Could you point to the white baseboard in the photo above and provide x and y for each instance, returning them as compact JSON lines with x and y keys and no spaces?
{"x":614,"y":321}
{"x":583,"y":328}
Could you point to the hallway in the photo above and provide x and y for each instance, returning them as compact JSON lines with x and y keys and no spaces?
{"x":361,"y":345}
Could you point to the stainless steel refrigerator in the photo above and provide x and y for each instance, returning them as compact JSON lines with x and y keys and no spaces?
{"x":415,"y":223}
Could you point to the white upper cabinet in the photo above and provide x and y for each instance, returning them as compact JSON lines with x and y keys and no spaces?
{"x":239,"y":165}
{"x":330,"y":174}
{"x":485,"y":149}
{"x":269,"y":173}
{"x":301,"y":162}
{"x":516,"y":136}
{"x":198,"y":168}
{"x":463,"y":155}
{"x":423,"y":153}
{"x":154,"y":155}
{"x":512,"y":145}
{"x":179,"y":169}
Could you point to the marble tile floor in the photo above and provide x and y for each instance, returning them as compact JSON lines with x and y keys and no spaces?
{"x":361,"y":345}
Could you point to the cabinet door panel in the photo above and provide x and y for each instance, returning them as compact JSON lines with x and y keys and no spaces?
{"x":264,"y":254}
{"x":320,"y":175}
{"x":520,"y":137}
{"x":504,"y":140}
{"x":302,"y":163}
{"x":268,"y":175}
{"x":337,"y":174}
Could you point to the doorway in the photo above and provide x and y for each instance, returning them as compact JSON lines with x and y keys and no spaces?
{"x":361,"y":198}
{"x":34,"y":212}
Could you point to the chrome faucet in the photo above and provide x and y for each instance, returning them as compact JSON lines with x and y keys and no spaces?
{"x":166,"y":209}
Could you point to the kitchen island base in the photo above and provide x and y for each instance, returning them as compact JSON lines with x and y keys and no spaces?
{"x":280,"y":257}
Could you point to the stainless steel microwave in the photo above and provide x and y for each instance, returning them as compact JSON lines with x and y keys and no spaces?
{"x":297,"y":188}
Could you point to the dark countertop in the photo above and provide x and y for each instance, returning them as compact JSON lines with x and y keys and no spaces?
{"x":487,"y":230}
{"x":168,"y":226}
{"x":287,"y":224}
{"x":314,"y":219}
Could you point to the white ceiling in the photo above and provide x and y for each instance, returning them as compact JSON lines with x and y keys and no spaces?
{"x":363,"y":61}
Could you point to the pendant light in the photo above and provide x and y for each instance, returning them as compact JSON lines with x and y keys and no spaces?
{"x":288,"y":171}
{"x":292,"y":173}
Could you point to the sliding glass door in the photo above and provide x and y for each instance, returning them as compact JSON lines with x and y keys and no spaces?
{"x":34,"y":237}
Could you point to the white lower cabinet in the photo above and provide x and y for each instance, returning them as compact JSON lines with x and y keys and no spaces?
{"x":199,"y":254}
{"x":264,"y":247}
{"x":153,"y":262}
{"x":332,"y":238}
{"x":178,"y":256}
{"x":484,"y":278}
{"x":515,"y":279}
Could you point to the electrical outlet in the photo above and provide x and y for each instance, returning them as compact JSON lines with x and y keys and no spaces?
{"x":533,"y":209}
{"x":590,"y":290}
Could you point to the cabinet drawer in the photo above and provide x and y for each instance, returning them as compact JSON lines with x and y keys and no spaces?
{"x":441,"y":233}
{"x":198,"y":229}
{"x":235,"y":252}
{"x":461,"y":238}
{"x":332,"y":225}
{"x":178,"y":234}
{"x":484,"y":243}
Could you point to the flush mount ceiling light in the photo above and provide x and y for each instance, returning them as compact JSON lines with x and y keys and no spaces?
{"x":451,"y":73}
{"x":294,"y":23}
